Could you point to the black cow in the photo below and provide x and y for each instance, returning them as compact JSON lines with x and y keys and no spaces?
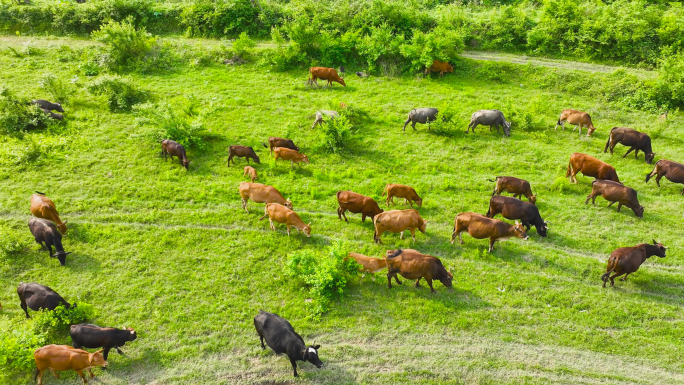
{"x":49,"y":106}
{"x":35,"y":296}
{"x":46,"y":234}
{"x":512,"y":208}
{"x":93,"y":336}
{"x":281,"y":337}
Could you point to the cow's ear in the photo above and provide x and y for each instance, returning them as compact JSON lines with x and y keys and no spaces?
{"x":304,"y":352}
{"x":654,"y":242}
{"x":316,"y":347}
{"x":67,"y":221}
{"x":99,"y":351}
{"x":309,"y":224}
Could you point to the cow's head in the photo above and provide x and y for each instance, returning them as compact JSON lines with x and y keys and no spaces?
{"x":542,"y":228}
{"x":131,"y":335}
{"x":661,"y":249}
{"x":419,"y":202}
{"x":186,"y":163}
{"x":307,"y":230}
{"x":96,"y":359}
{"x":61,"y":257}
{"x":446,"y":280}
{"x":62,"y":227}
{"x":342,"y":82}
{"x":507,"y":128}
{"x":310,"y":353}
{"x":639,"y":212}
{"x":590,"y":130}
{"x":519,"y":230}
{"x":422,"y":226}
{"x":305,"y":158}
{"x":295,"y":147}
{"x":288,"y":204}
{"x":59,"y":107}
{"x":533,"y":199}
{"x":649,"y":157}
{"x":449,"y":68}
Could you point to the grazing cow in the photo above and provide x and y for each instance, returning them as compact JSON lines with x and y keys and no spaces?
{"x":35,"y":296}
{"x":422,"y":116}
{"x":47,"y":106}
{"x":368,"y":264}
{"x":634,"y":139}
{"x":616,"y":192}
{"x":512,"y":208}
{"x":60,"y":358}
{"x":249,"y":170}
{"x":627,"y":260}
{"x":171,"y":148}
{"x":356,"y":203}
{"x":260,"y":193}
{"x":279,"y":142}
{"x":46,"y":235}
{"x":397,"y":221}
{"x":43,"y":207}
{"x":578,"y":118}
{"x":242,"y":152}
{"x":411,"y":264}
{"x":281,"y":337}
{"x":481,"y":227}
{"x":93,"y":336}
{"x":590,"y":166}
{"x":293,"y":156}
{"x":361,"y":74}
{"x":324,"y":73}
{"x":319,"y":118}
{"x":663,"y":117}
{"x":491,"y":118}
{"x":515,"y":186}
{"x":672,"y":171}
{"x":401,"y":191}
{"x":281,"y":214}
{"x":439,"y":66}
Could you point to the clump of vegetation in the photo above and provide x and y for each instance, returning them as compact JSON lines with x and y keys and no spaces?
{"x":243,"y":46}
{"x":9,"y":244}
{"x":336,"y":134}
{"x":18,"y":114}
{"x":181,"y":120}
{"x":120,"y":94}
{"x":59,"y":90}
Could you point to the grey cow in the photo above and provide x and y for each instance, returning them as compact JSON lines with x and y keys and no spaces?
{"x":49,"y":106}
{"x":421,"y":115}
{"x":491,"y":118}
{"x":324,"y":113}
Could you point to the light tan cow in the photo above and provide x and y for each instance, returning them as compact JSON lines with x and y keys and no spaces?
{"x":249,"y":170}
{"x":578,"y":118}
{"x":397,"y":221}
{"x":261,"y":193}
{"x":402,"y":191}
{"x":60,"y":358}
{"x":43,"y":207}
{"x":368,"y":264}
{"x":281,"y":214}
{"x":291,"y":155}
{"x":481,"y":227}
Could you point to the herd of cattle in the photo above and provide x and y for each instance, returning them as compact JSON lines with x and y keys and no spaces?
{"x":47,"y":228}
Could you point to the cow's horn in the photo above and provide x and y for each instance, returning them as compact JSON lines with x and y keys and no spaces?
{"x":309,"y":224}
{"x":654,"y":242}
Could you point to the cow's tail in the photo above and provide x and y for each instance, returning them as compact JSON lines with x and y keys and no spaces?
{"x":264,"y":144}
{"x":495,"y":179}
{"x":395,"y":254}
{"x":43,"y":194}
{"x":385,"y":190}
{"x":605,"y":276}
{"x":35,"y":375}
{"x":558,"y":123}
{"x":338,"y":198}
{"x":655,"y":171}
{"x":569,"y":171}
{"x":610,"y":136}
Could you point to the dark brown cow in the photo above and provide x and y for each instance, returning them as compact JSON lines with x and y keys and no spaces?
{"x":481,"y":227}
{"x":242,"y":152}
{"x":324,"y":73}
{"x":627,"y":260}
{"x":171,"y":149}
{"x":616,"y":192}
{"x":672,"y":171}
{"x":356,"y":203}
{"x":590,"y":166}
{"x":401,"y":191}
{"x":635,"y":140}
{"x":511,"y":208}
{"x":515,"y":186}
{"x":411,"y":264}
{"x":274,"y":142}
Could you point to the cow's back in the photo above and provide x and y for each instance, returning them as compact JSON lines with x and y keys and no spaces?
{"x":276,"y":330}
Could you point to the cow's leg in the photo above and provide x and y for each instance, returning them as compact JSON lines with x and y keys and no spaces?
{"x":619,"y":206}
{"x":418,"y":282}
{"x":262,"y":342}
{"x":429,"y":281}
{"x":345,"y":215}
{"x":593,"y":200}
{"x":413,"y":234}
{"x":389,"y":280}
{"x":39,"y":376}
{"x":527,"y":225}
{"x":460,"y":239}
{"x":396,"y":279}
{"x":682,"y":193}
{"x":611,"y":203}
{"x":491,"y":244}
{"x":625,"y":277}
{"x":54,"y":373}
{"x":288,"y":230}
{"x":244,"y":205}
{"x":658,"y":179}
{"x":229,"y":158}
{"x":363,"y":218}
{"x":76,"y":345}
{"x":588,"y":197}
{"x":90,"y":371}
{"x":271,"y":221}
{"x":628,"y":151}
{"x":291,"y":165}
{"x":339,"y":211}
{"x":118,"y":351}
{"x":105,"y":353}
{"x":25,"y":308}
{"x":80,"y":374}
{"x":636,"y":153}
{"x":612,"y":278}
{"x":401,"y":235}
{"x":413,"y":125}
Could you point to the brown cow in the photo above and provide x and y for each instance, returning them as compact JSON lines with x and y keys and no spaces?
{"x":515,"y":186}
{"x":324,"y":73}
{"x":261,"y":193}
{"x":590,"y":166}
{"x":356,"y":203}
{"x":401,"y":191}
{"x":282,"y":214}
{"x":481,"y":227}
{"x":634,"y":139}
{"x":439,"y":66}
{"x":274,"y":142}
{"x":397,"y":221}
{"x":673,"y":171}
{"x":411,"y":264}
{"x":242,"y":152}
{"x":43,"y":207}
{"x":616,"y":192}
{"x":171,"y":149}
{"x":578,"y":118}
{"x":249,"y":170}
{"x":368,"y":264}
{"x":60,"y":358}
{"x":292,"y":155}
{"x":627,"y":260}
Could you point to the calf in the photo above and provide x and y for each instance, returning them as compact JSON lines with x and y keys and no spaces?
{"x":324,"y":73}
{"x":293,"y":156}
{"x":634,"y":139}
{"x":511,"y":208}
{"x":397,"y":221}
{"x":422,"y":116}
{"x":491,"y":118}
{"x":328,"y":114}
{"x":43,"y":207}
{"x":673,"y":171}
{"x":578,"y":118}
{"x":60,"y":358}
{"x":481,"y":227}
{"x":411,"y":264}
{"x":439,"y":66}
{"x":590,"y":166}
{"x":260,"y":193}
{"x":46,"y":235}
{"x":401,"y":191}
{"x":36,"y":297}
{"x":515,"y":186}
{"x":616,"y":192}
{"x":171,"y":148}
{"x":280,"y":142}
{"x":368,"y":264}
{"x":93,"y":336}
{"x":281,"y":337}
{"x":249,"y":170}
{"x":282,"y":214}
{"x":47,"y":106}
{"x":356,"y":203}
{"x":242,"y":152}
{"x":626,"y":260}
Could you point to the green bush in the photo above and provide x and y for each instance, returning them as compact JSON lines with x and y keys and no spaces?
{"x":243,"y":46}
{"x":120,"y":94}
{"x":10,"y":245}
{"x":19,"y":114}
{"x":129,"y":48}
{"x":336,"y":134}
{"x":180,"y":120}
{"x":59,"y":90}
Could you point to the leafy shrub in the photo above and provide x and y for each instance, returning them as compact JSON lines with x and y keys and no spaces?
{"x":336,"y":134}
{"x":19,"y":114}
{"x":9,"y":244}
{"x":120,"y":94}
{"x":18,"y":341}
{"x":59,"y":90}
{"x":243,"y":46}
{"x":61,"y":318}
{"x":181,"y":120}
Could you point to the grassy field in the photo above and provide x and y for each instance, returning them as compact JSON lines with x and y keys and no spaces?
{"x":171,"y":253}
